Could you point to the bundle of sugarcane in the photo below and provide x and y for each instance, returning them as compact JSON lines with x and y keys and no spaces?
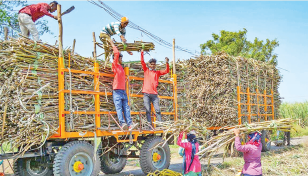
{"x":136,"y":46}
{"x":210,"y":143}
{"x":226,"y":138}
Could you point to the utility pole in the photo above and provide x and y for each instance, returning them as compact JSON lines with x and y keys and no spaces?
{"x":5,"y":31}
{"x":173,"y":50}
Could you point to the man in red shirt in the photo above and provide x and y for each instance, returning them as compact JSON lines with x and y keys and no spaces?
{"x":119,"y":94}
{"x":29,"y":14}
{"x":150,"y":84}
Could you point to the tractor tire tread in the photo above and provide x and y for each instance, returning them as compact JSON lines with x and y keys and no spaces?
{"x":110,"y":169}
{"x":143,"y":153}
{"x":59,"y":157}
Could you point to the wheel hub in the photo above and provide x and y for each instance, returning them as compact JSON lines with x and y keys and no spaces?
{"x":78,"y":166}
{"x":81,"y":164}
{"x":156,"y":157}
{"x":33,"y":167}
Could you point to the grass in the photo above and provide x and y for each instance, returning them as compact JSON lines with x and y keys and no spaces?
{"x":299,"y":131}
{"x":289,"y":161}
{"x":297,"y":111}
{"x":6,"y":147}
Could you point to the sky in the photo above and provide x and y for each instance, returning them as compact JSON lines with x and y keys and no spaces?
{"x":192,"y":24}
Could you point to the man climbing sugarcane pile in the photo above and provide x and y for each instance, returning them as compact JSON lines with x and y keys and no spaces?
{"x":110,"y":30}
{"x":28,"y":15}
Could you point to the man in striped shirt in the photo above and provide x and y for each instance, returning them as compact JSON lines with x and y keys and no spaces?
{"x":114,"y":28}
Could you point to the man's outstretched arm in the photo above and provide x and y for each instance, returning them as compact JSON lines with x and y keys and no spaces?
{"x":163,"y":72}
{"x":144,"y":65}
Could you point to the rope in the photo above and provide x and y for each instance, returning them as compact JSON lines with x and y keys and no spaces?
{"x":165,"y":172}
{"x":71,"y":100}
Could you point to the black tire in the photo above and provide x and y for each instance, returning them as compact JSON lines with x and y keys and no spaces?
{"x":287,"y":138}
{"x":146,"y":155}
{"x":73,"y":152}
{"x":112,"y":164}
{"x":266,"y":141}
{"x":30,"y":167}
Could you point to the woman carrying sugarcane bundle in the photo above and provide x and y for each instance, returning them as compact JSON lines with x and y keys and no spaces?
{"x":252,"y":153}
{"x":192,"y":166}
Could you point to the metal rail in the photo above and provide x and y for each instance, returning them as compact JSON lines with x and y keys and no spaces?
{"x":63,"y":134}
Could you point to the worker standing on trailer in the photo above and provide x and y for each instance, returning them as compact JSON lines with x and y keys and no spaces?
{"x":149,"y":88}
{"x":252,"y":153}
{"x":119,"y":94}
{"x":191,"y":165}
{"x":113,"y":29}
{"x":28,"y":15}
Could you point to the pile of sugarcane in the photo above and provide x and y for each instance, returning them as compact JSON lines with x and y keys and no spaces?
{"x":29,"y":92}
{"x":211,"y":88}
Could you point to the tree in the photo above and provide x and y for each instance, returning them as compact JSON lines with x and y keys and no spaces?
{"x":236,"y":44}
{"x":9,"y":18}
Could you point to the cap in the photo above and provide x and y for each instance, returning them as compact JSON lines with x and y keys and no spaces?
{"x":124,"y":19}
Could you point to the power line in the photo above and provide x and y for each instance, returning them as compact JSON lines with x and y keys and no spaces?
{"x":118,"y":17}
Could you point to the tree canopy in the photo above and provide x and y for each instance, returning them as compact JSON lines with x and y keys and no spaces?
{"x":9,"y":18}
{"x":236,"y":44}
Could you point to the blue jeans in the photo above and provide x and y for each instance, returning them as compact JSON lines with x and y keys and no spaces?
{"x":121,"y":104}
{"x":147,"y":99}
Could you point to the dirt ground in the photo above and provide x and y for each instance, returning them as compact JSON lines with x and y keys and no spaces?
{"x":133,"y":168}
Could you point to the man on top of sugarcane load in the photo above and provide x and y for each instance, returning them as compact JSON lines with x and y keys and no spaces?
{"x":29,"y":14}
{"x":110,"y":30}
{"x":119,"y":94}
{"x":149,"y":88}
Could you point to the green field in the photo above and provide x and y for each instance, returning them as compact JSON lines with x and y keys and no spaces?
{"x":298,"y":111}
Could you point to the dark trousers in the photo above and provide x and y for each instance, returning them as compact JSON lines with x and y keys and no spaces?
{"x":148,"y":99}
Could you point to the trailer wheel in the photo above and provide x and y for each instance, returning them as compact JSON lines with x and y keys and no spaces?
{"x":154,"y":159}
{"x":76,"y":158}
{"x":266,"y":141}
{"x":111,"y":163}
{"x":30,"y":167}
